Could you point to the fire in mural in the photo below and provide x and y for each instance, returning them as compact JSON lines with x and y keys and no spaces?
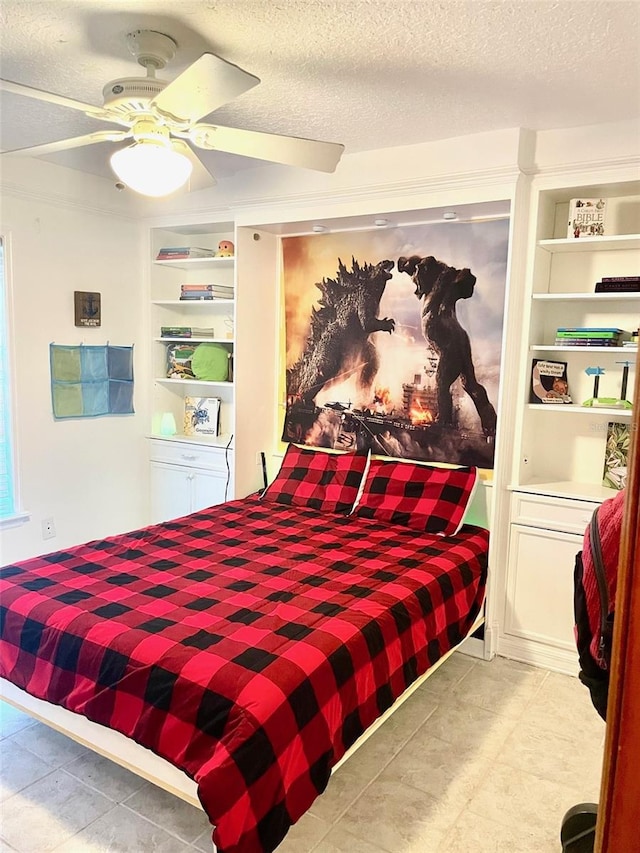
{"x":398,"y":348}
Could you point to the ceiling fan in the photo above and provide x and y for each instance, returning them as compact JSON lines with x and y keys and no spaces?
{"x":163,"y":120}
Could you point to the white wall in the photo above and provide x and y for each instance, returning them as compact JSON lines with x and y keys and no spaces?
{"x":89,"y":475}
{"x":71,"y":231}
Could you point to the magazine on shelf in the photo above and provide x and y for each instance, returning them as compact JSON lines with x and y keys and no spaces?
{"x":616,"y":456}
{"x":586,"y":217}
{"x":549,"y":383}
{"x":201,"y":415}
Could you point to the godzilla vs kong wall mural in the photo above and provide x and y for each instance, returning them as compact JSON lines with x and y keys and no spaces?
{"x":393,"y":340}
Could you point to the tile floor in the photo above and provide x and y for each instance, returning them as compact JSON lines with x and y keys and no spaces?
{"x":485,"y":756}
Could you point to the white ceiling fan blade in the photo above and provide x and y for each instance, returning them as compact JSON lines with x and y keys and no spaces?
{"x":51,"y":98}
{"x":73,"y":142}
{"x":289,"y":150}
{"x":203,"y":87}
{"x":201,"y":178}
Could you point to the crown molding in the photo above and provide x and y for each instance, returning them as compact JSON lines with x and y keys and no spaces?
{"x":406,"y":188}
{"x":66,"y":201}
{"x":599,"y":165}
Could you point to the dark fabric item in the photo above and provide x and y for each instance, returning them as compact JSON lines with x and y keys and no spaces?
{"x":594,"y":677}
{"x":248,"y":644}
{"x":609,"y":519}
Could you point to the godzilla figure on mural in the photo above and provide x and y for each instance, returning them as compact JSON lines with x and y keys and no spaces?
{"x":338,"y":341}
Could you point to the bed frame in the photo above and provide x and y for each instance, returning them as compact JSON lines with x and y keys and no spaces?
{"x":145,"y":763}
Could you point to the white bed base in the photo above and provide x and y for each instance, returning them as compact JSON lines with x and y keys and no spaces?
{"x":145,"y":763}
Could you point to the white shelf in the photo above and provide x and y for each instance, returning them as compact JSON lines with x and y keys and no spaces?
{"x":608,"y":350}
{"x":587,"y":297}
{"x":187,"y":263}
{"x":567,"y":408}
{"x":567,"y":489}
{"x":192,"y":340}
{"x":193,"y":303}
{"x":181,"y":383}
{"x":591,"y":244}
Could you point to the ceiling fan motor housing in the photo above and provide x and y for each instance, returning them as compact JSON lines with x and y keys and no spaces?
{"x":131,"y":94}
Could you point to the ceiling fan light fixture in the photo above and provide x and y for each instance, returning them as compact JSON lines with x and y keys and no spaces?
{"x":151,"y":168}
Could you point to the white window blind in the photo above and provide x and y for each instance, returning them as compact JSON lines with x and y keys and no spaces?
{"x":7,"y":484}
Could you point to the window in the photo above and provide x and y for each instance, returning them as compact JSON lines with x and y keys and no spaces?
{"x":8,"y":502}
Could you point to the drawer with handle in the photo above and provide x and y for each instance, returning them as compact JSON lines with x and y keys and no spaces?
{"x":190,"y":454}
{"x":564,"y":514}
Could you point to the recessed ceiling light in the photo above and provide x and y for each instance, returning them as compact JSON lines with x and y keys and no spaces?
{"x":380,"y":222}
{"x":449,"y":214}
{"x":319,"y":228}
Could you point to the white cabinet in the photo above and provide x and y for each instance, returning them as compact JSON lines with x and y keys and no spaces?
{"x":248,"y":327}
{"x":186,"y":478}
{"x":545,"y":535}
{"x":560,"y":448}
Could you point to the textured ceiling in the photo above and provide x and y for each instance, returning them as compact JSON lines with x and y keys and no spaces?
{"x":367,"y":74}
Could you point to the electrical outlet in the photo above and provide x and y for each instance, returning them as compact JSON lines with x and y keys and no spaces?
{"x":48,"y":528}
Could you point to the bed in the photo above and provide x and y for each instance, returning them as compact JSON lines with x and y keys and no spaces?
{"x":250,"y":645}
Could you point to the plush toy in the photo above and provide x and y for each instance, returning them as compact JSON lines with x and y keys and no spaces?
{"x":225,"y":249}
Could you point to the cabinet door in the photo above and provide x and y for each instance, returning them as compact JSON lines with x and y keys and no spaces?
{"x":208,"y":489}
{"x":171,"y":488}
{"x":539,"y":605}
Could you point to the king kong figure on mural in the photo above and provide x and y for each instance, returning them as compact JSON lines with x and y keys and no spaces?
{"x":438,"y":287}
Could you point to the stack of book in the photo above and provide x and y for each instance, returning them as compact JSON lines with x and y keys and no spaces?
{"x":185,"y":332}
{"x":587,"y":336}
{"x":619,"y":284}
{"x":175,"y":253}
{"x":175,"y":331}
{"x":205,"y":291}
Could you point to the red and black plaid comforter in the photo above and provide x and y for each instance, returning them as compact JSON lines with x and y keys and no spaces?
{"x":249,"y":644}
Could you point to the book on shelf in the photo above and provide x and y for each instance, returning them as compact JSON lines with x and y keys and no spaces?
{"x":175,"y":331}
{"x":549,"y":383}
{"x":604,"y":337}
{"x":619,"y":284}
{"x":586,"y":217}
{"x":169,"y":253}
{"x":201,"y":415}
{"x":596,"y":330}
{"x":586,"y":342}
{"x":209,"y":292}
{"x":185,"y":288}
{"x":616,"y":455}
{"x":198,"y":332}
{"x":198,"y":296}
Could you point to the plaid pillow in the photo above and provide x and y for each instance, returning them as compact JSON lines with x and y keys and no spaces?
{"x":325,"y":481}
{"x":421,"y":497}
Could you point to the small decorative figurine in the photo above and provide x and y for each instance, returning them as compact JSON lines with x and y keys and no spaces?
{"x":225,"y":249}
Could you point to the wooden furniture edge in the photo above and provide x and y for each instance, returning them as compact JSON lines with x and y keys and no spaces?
{"x":617,"y":824}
